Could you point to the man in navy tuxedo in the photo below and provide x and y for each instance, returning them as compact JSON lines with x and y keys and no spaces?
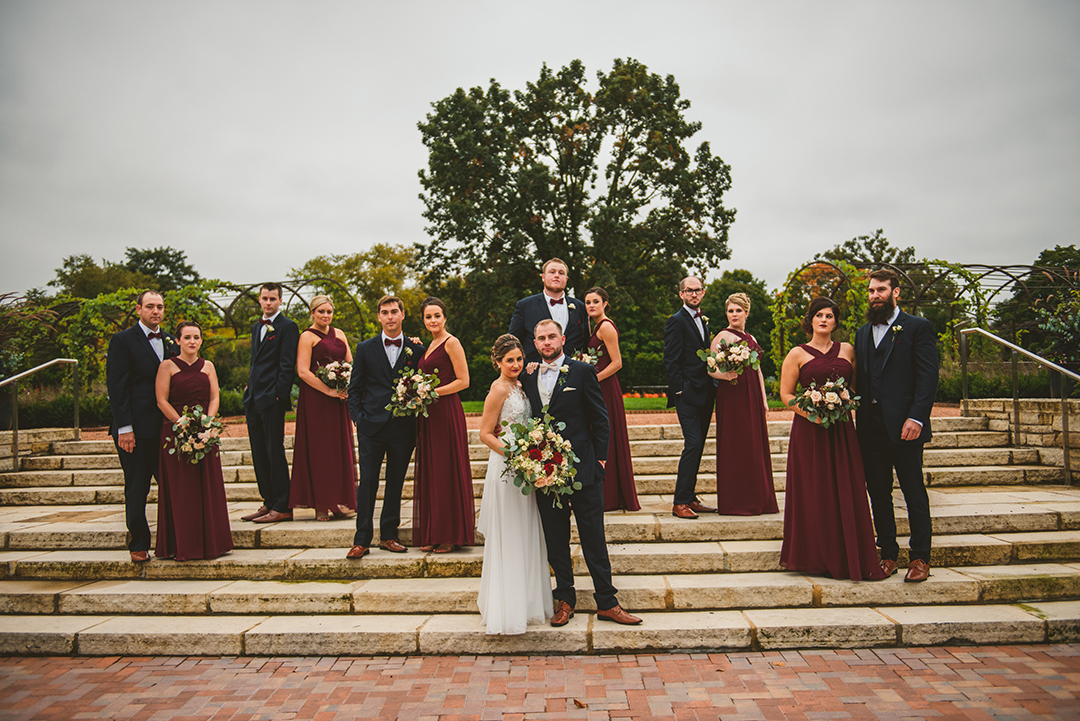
{"x":896,"y":381}
{"x":131,"y":370}
{"x":690,"y":390}
{"x":553,"y":304}
{"x":379,"y":434}
{"x":267,"y":398}
{"x":568,"y":389}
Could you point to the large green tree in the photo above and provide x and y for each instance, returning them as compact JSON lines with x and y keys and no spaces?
{"x":760,"y":321}
{"x":603,"y":177}
{"x":167,"y":266}
{"x":79,"y":276}
{"x":874,"y":249}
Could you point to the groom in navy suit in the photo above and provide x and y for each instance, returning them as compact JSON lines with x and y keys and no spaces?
{"x":690,"y":390}
{"x":553,"y":304}
{"x":380,"y":434}
{"x":130,"y":373}
{"x":897,"y":380}
{"x":568,"y":389}
{"x":267,"y":398}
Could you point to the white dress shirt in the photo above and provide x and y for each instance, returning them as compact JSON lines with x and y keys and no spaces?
{"x":393,"y":351}
{"x":262,"y":331}
{"x":697,"y":320}
{"x":881,"y":329}
{"x":560,"y":312}
{"x":548,"y":378}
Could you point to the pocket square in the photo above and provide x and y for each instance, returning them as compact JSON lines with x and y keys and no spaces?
{"x":567,"y":389}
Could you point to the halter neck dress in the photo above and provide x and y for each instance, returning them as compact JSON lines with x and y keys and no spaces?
{"x":619,"y":488}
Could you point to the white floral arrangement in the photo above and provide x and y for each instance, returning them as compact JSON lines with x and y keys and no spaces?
{"x":195,"y":434}
{"x":733,"y":357}
{"x":833,"y":402}
{"x":413,"y":393}
{"x":335,"y":374}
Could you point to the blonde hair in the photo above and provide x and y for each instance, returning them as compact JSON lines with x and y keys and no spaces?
{"x":740,"y":299}
{"x":319,"y":300}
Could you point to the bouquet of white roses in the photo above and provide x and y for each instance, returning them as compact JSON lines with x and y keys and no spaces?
{"x":195,"y":434}
{"x":335,"y":374}
{"x":830,"y":403}
{"x":731,"y":358}
{"x":413,"y":392}
{"x":540,"y":458}
{"x":589,"y":355}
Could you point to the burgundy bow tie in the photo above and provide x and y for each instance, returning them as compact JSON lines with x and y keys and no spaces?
{"x":697,"y":314}
{"x":265,"y":321}
{"x":556,"y":301}
{"x":392,"y":341}
{"x":154,"y":335}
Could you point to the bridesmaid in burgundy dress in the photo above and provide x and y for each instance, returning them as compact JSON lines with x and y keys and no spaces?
{"x":619,"y":489}
{"x":444,"y":513}
{"x":192,"y":514}
{"x":827,"y":525}
{"x":324,"y":465}
{"x":744,"y":480}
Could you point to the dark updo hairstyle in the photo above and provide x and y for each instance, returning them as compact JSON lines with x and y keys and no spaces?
{"x":184,"y":324}
{"x":816,"y":305}
{"x":599,"y":291}
{"x":503,"y":345}
{"x":432,"y":300}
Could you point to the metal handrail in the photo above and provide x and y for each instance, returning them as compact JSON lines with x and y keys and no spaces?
{"x":13,"y":381}
{"x":1017,"y":351}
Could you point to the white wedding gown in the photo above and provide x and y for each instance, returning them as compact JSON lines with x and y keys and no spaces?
{"x":515,"y":584}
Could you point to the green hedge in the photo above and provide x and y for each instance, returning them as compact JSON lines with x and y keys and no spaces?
{"x":94,"y":411}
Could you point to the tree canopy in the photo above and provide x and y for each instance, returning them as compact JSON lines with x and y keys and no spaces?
{"x":167,"y":266}
{"x":875,"y":249}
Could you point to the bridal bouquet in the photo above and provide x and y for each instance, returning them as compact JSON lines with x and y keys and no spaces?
{"x":413,"y":393}
{"x":335,"y":374}
{"x":195,"y":434}
{"x":589,"y":355}
{"x":540,"y":458}
{"x":830,"y":403}
{"x":731,"y":358}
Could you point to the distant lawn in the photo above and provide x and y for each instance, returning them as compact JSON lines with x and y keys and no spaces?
{"x":632,"y":404}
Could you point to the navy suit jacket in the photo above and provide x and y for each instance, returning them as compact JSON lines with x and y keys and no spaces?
{"x":909,"y":374}
{"x":372,"y":382}
{"x":530,"y":311}
{"x":577,"y":401}
{"x":686,"y":372}
{"x":131,"y":369}
{"x":273,"y":364}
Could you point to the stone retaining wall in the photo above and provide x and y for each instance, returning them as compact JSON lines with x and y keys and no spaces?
{"x":1040,"y":426}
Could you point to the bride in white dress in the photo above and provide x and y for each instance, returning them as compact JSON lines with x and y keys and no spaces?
{"x":515,"y":584}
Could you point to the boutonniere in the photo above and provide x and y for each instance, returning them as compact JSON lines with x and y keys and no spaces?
{"x":562,"y":375}
{"x":531,"y":367}
{"x":705,"y":319}
{"x":408,"y":352}
{"x":897,"y":328}
{"x":269,"y":329}
{"x":172,"y":341}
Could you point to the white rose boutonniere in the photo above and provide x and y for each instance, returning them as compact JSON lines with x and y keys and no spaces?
{"x":269,"y":328}
{"x":562,"y":374}
{"x":408,"y":352}
{"x":897,"y":328}
{"x":705,"y":318}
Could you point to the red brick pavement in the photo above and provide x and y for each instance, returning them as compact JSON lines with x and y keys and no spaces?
{"x":999,"y":682}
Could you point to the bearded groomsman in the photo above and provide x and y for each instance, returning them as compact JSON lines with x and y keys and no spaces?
{"x":130,"y":372}
{"x":552,"y":304}
{"x":267,"y":398}
{"x":690,"y":390}
{"x":896,"y":380}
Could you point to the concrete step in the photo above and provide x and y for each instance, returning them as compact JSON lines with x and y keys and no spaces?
{"x":435,"y":634}
{"x":678,"y":592}
{"x":648,"y":558}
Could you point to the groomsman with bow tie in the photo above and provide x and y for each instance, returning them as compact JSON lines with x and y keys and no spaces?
{"x":267,"y":398}
{"x":552,"y":304}
{"x":377,"y":363}
{"x":131,"y":369}
{"x":690,"y":390}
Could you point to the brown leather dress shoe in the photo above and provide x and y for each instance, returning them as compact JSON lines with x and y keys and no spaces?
{"x":273,"y":517}
{"x":263,"y":510}
{"x":618,"y":615}
{"x":681,"y":510}
{"x":563,"y":613}
{"x":392,"y":545}
{"x":140,"y":556}
{"x":358,"y":552}
{"x":699,"y":508}
{"x":888,"y":565}
{"x":919,"y":570}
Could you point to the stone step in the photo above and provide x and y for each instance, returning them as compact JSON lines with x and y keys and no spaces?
{"x":437,"y":634}
{"x":701,"y":592}
{"x":653,"y":558}
{"x":91,"y":527}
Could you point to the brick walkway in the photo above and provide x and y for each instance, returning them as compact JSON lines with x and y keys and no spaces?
{"x":1000,"y":682}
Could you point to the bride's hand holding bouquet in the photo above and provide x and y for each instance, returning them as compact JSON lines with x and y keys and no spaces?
{"x":540,"y":458}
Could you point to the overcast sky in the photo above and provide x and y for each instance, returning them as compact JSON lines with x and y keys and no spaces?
{"x":256,"y":135}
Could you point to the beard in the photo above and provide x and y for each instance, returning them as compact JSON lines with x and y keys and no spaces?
{"x":879,"y":313}
{"x":554,"y":354}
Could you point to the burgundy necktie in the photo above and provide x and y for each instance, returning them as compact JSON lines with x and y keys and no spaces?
{"x":555,"y":301}
{"x":392,"y":341}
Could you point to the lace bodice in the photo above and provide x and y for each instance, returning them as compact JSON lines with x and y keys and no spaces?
{"x":516,"y":407}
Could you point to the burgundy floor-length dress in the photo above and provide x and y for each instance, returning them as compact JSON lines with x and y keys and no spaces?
{"x":443,"y":507}
{"x":192,"y":514}
{"x":744,"y":480}
{"x":324,"y":465}
{"x":619,"y":488}
{"x":827,"y":524}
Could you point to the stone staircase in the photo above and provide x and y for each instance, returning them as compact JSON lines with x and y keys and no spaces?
{"x":1006,"y":568}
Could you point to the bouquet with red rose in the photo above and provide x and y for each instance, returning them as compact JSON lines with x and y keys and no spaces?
{"x":540,"y":458}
